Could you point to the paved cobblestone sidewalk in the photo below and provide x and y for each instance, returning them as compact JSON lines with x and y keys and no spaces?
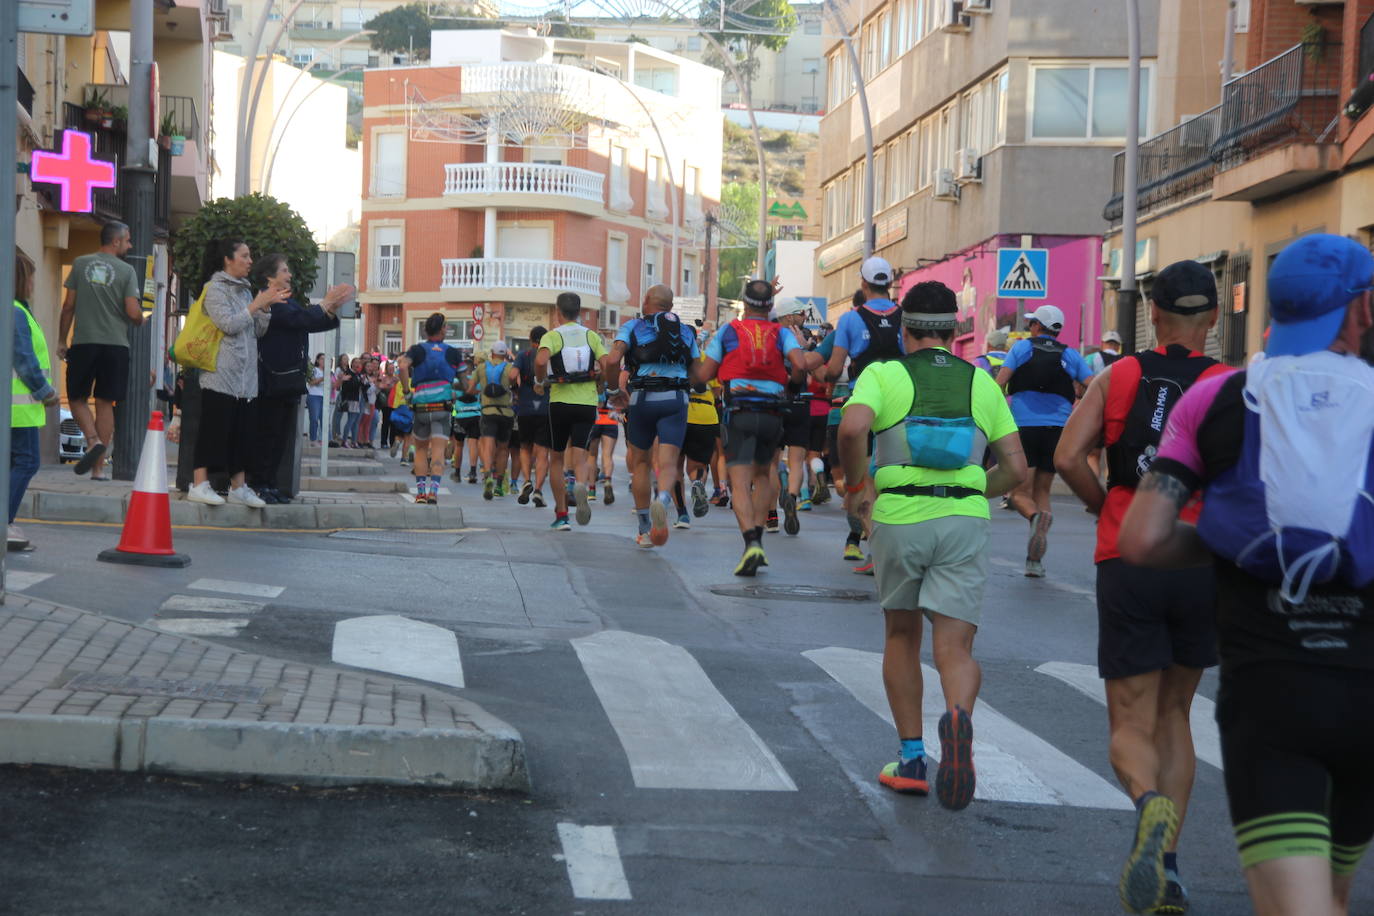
{"x":83,"y":690}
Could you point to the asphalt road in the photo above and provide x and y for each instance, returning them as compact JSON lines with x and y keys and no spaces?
{"x":691,"y":752}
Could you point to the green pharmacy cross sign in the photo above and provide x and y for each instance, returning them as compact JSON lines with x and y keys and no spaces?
{"x":780,"y":210}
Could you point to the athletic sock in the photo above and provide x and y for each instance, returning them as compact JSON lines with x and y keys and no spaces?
{"x":752,"y":536}
{"x":1171,"y":862}
{"x":559,"y":516}
{"x":421,"y":482}
{"x":912,"y":748}
{"x":678,"y":499}
{"x":644,"y":522}
{"x":434,"y":483}
{"x":856,"y":525}
{"x":1144,"y":797}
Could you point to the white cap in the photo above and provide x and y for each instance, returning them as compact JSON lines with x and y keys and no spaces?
{"x":498,"y":347}
{"x":876,"y":271}
{"x":1050,"y":316}
{"x":791,"y":306}
{"x":1112,"y":335}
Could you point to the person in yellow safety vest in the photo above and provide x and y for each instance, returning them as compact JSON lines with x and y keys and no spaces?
{"x":991,"y":361}
{"x":31,"y":395}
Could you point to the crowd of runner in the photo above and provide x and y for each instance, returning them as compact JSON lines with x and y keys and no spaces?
{"x":1235,"y":521}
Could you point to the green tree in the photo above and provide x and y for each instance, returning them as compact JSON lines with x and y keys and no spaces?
{"x":773,"y":16}
{"x":740,"y":199}
{"x":264,"y":223}
{"x":401,"y":28}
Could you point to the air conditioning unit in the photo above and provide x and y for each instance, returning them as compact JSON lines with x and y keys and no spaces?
{"x":946,"y":187}
{"x":970,"y":166}
{"x":956,"y":20}
{"x":608,"y":317}
{"x":977,"y":7}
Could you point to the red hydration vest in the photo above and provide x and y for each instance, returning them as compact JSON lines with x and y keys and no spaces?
{"x":757,"y":357}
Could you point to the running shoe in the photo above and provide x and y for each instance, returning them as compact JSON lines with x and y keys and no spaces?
{"x":608,"y":493}
{"x":791,"y":524}
{"x":1175,"y":900}
{"x":700,"y":504}
{"x":822,"y":494}
{"x":488,"y":489}
{"x":751,"y":560}
{"x":683,"y":521}
{"x":501,"y":487}
{"x":852,"y":550}
{"x":954,"y":780}
{"x":420,"y":499}
{"x":243,"y":496}
{"x":538,"y":499}
{"x":642,"y":540}
{"x":88,"y":460}
{"x":1039,"y":539}
{"x":560,"y":524}
{"x":472,"y":475}
{"x":658,"y":523}
{"x":865,"y":570}
{"x":204,"y":493}
{"x":395,"y":445}
{"x":772,"y":524}
{"x":906,"y":776}
{"x":804,"y":505}
{"x":584,"y":509}
{"x":591,"y":494}
{"x":1035,"y":569}
{"x":1143,"y":882}
{"x":716,"y":496}
{"x":432,"y":498}
{"x":456,"y":476}
{"x":525,"y":492}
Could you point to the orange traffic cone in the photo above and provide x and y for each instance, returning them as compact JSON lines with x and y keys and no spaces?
{"x":147,"y":538}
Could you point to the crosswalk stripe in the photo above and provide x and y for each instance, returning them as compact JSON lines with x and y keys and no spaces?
{"x":17,"y":580}
{"x":232,"y":587}
{"x":676,"y":728}
{"x":202,"y":626}
{"x":593,"y":861}
{"x":399,"y":645}
{"x":1014,"y":764}
{"x":204,"y":604}
{"x":1202,"y":716}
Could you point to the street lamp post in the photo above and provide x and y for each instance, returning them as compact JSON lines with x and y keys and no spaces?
{"x":1126,"y":293}
{"x":869,"y":229}
{"x":243,"y":172}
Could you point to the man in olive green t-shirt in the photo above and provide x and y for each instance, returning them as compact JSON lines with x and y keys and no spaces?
{"x":103,"y":299}
{"x":932,"y":416}
{"x":568,"y":363}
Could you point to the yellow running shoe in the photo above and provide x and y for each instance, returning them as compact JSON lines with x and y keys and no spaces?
{"x":752,"y":559}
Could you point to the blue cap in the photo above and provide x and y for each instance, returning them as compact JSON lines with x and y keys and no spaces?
{"x":1310,"y":284}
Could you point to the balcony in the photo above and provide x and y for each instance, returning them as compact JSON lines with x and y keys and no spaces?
{"x":109,"y":144}
{"x":1172,"y":167}
{"x":1277,"y":124}
{"x":527,"y":185}
{"x":519,"y":280}
{"x":188,"y":180}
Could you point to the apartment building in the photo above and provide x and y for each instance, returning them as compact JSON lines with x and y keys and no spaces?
{"x":515,"y":167}
{"x":1278,"y":151}
{"x":993,"y":123}
{"x":79,"y":84}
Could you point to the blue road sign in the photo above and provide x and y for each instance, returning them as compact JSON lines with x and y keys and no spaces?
{"x":1023,"y":273}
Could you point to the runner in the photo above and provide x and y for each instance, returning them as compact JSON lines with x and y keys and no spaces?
{"x":1043,"y":377}
{"x":929,"y":509}
{"x":991,"y":361}
{"x":657,"y":349}
{"x":601,"y":448}
{"x":796,"y":424}
{"x":467,"y":429}
{"x":1284,"y":455}
{"x":532,"y":424}
{"x":754,"y":359}
{"x":567,"y":364}
{"x":702,"y":439}
{"x":1155,"y":629}
{"x":428,"y":371}
{"x":1109,"y":353}
{"x":496,"y":380}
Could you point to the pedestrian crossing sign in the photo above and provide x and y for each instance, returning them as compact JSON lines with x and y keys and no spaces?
{"x":1022,"y":273}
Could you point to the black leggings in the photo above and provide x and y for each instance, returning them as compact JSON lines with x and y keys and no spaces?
{"x":387,"y":432}
{"x":227,"y":440}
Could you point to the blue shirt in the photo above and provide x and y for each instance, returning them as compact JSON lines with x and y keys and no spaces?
{"x":851,"y":332}
{"x":641,"y":331}
{"x":1040,"y":408}
{"x":826,"y":346}
{"x":727,"y":341}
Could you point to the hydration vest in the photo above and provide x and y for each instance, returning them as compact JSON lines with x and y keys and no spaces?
{"x":757,"y":356}
{"x":1108,"y":357}
{"x":668,"y":345}
{"x":1160,"y":378}
{"x":1044,"y":371}
{"x":938,"y":432}
{"x":995,"y":358}
{"x":1297,"y":508}
{"x":884,"y":340}
{"x":496,"y":397}
{"x":574,"y":363}
{"x":432,"y":380}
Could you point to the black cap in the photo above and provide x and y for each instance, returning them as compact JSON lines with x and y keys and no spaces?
{"x":1185,"y":288}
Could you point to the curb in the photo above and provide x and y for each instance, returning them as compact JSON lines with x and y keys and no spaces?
{"x":489,"y":757}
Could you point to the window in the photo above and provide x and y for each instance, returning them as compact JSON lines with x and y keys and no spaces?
{"x":1083,"y":102}
{"x":620,"y":181}
{"x":386,"y":265}
{"x":1242,"y":15}
{"x":455,"y":329}
{"x":391,"y":344}
{"x":691,"y":191}
{"x":999,"y":93}
{"x":693,"y":42}
{"x":303,"y":58}
{"x":353,"y":17}
{"x":389,"y":164}
{"x":617,"y":246}
{"x":690,"y":275}
{"x":656,"y":205}
{"x":879,"y":179}
{"x":651,"y":276}
{"x":811,"y":25}
{"x":546,"y":155}
{"x":884,"y":41}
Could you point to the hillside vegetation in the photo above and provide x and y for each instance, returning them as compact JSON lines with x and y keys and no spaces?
{"x":785,"y":155}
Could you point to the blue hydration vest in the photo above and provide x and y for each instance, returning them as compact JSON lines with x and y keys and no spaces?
{"x":432,"y":380}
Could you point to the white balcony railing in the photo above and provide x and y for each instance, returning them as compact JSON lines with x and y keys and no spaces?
{"x":523,"y":178}
{"x":520,"y":273}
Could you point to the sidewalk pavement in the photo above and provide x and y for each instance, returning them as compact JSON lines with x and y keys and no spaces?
{"x":78,"y":689}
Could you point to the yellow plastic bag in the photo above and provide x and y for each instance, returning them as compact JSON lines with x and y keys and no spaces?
{"x":197,"y":346}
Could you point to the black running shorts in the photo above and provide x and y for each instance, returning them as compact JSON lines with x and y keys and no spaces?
{"x":495,"y":426}
{"x":102,"y":369}
{"x":1039,"y":443}
{"x":570,"y":424}
{"x":796,"y":425}
{"x":1152,"y":619}
{"x":752,"y":437}
{"x":699,"y":444}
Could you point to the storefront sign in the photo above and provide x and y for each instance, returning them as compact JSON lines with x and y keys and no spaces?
{"x":1238,"y":298}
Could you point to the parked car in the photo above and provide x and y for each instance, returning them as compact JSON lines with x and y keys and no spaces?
{"x":71,"y":442}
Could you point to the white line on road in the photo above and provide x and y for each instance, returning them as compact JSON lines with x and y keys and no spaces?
{"x":1014,"y":764}
{"x":1051,"y":582}
{"x":230,"y":587}
{"x":1084,"y":679}
{"x":398,"y":645}
{"x":593,"y":861}
{"x":17,"y":580}
{"x":202,"y":626}
{"x":204,"y":604}
{"x":677,"y":730}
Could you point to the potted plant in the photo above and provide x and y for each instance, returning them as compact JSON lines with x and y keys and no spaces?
{"x":165,"y":130}
{"x":118,"y":114}
{"x":95,"y":103}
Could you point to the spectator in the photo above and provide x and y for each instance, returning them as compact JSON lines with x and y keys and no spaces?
{"x":352,"y":388}
{"x":228,"y":396}
{"x":282,"y":368}
{"x":386,"y":381}
{"x":314,"y":397}
{"x":103,"y":299}
{"x":340,"y":417}
{"x":32,"y":395}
